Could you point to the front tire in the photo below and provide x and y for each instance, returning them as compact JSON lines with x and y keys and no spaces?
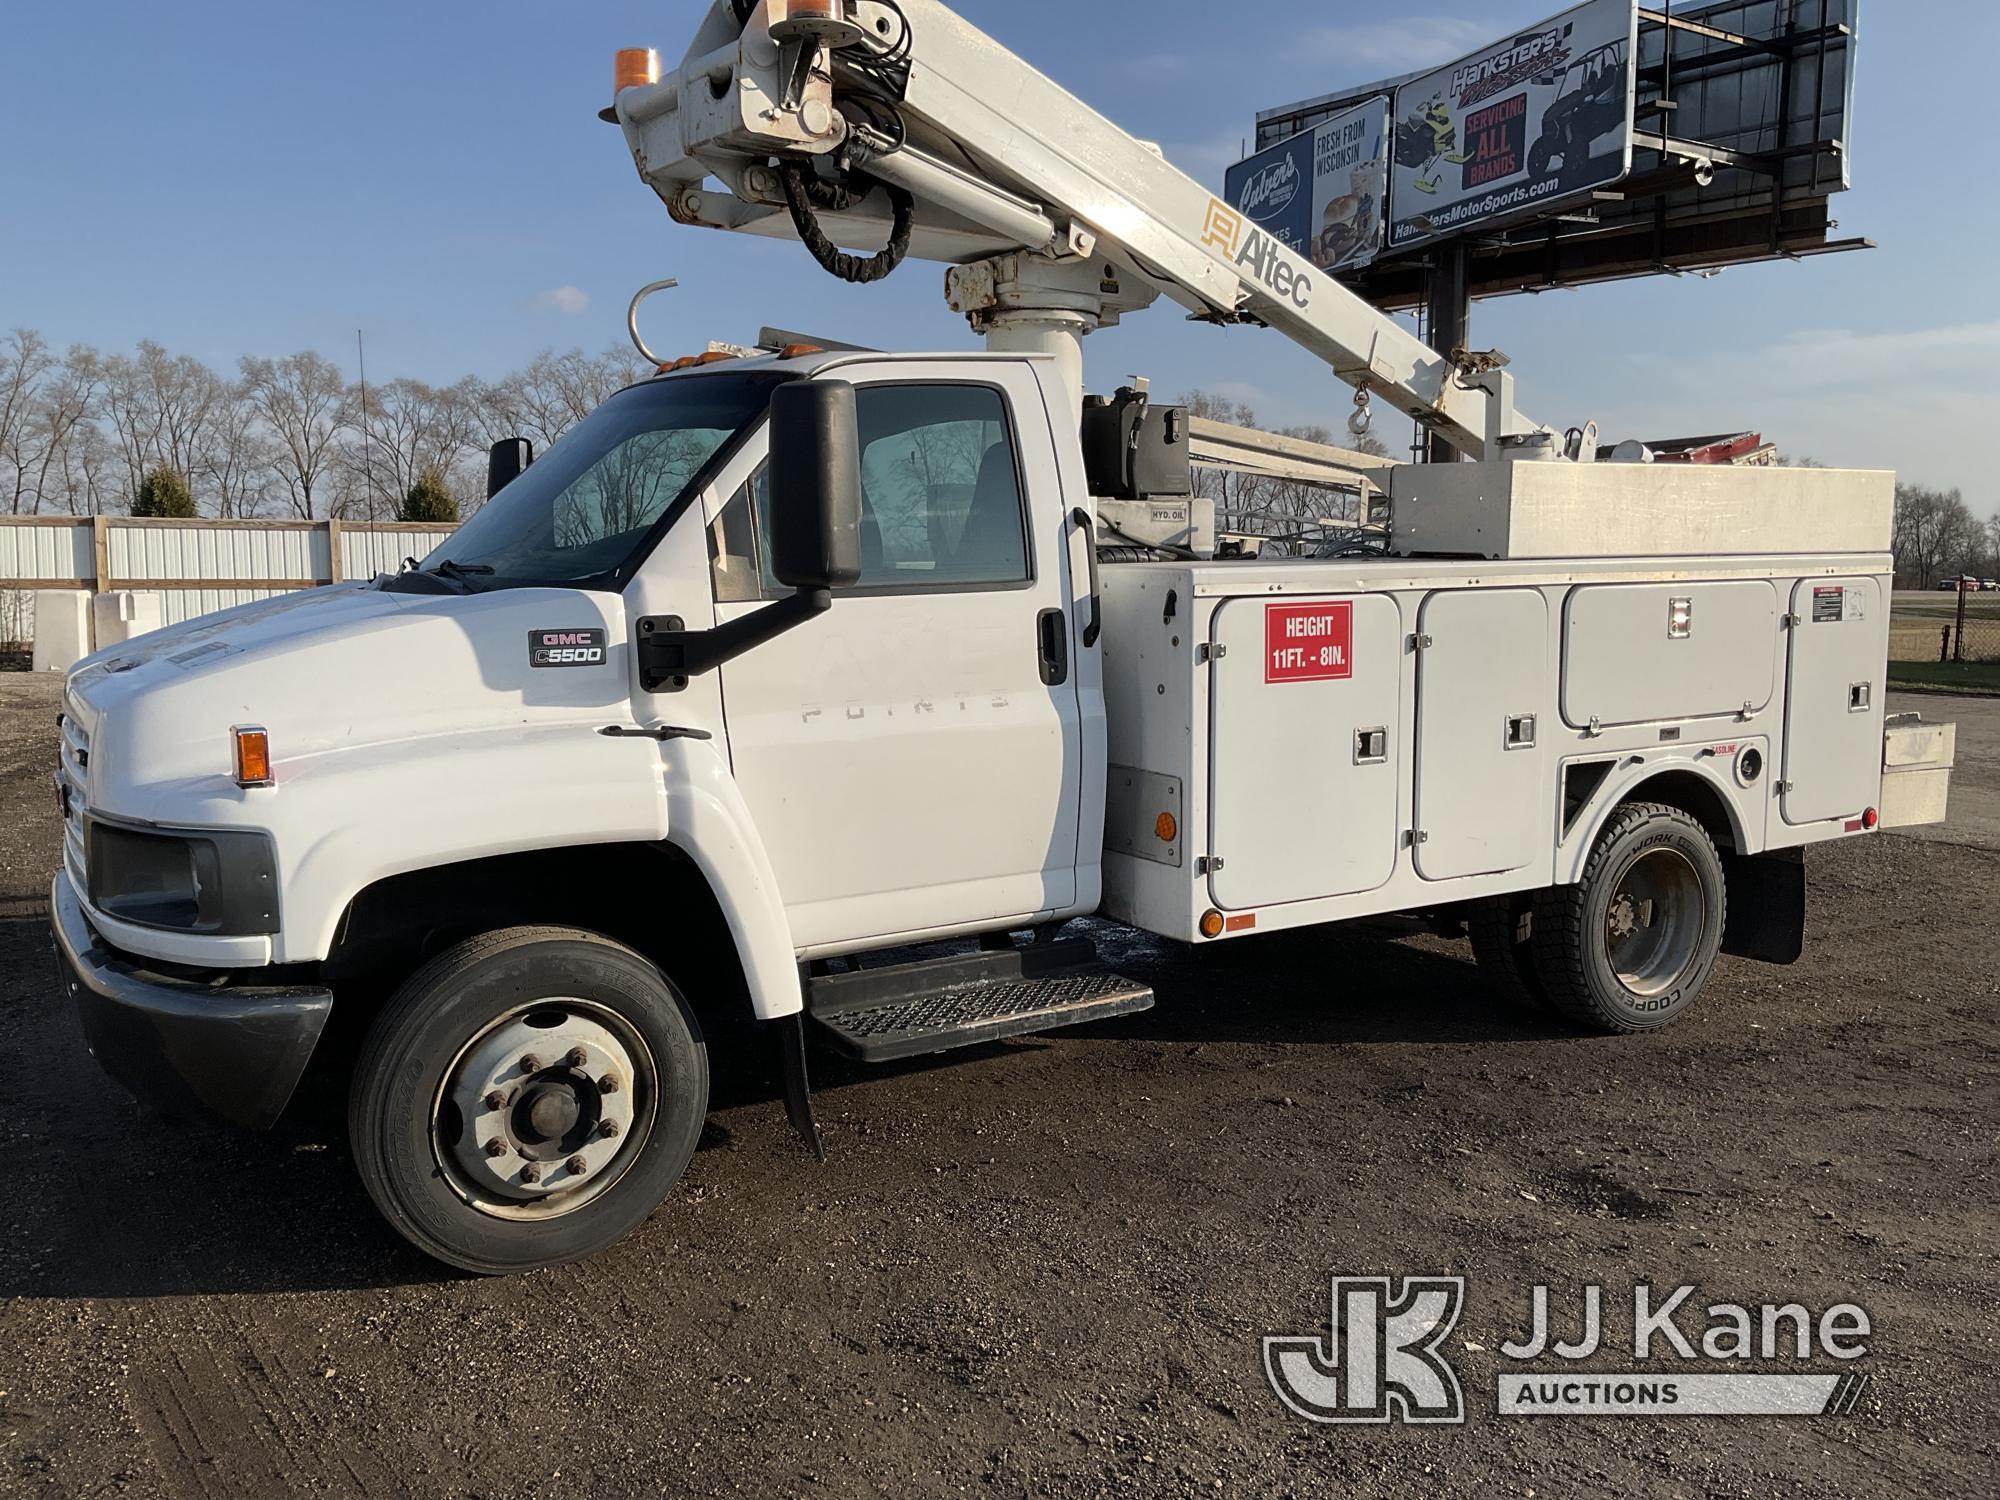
{"x":527,"y":1098}
{"x":1630,"y":946}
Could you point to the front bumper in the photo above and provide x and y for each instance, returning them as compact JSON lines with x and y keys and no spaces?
{"x":236,"y":1051}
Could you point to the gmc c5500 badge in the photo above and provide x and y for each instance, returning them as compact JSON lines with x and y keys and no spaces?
{"x":565,"y":648}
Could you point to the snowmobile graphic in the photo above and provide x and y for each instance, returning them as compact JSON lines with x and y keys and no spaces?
{"x":1426,"y":139}
{"x":1590,"y":99}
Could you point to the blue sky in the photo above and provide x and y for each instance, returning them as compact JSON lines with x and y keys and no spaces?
{"x":230,"y":178}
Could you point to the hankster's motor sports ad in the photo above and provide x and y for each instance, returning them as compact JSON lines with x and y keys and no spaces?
{"x":1321,"y":193}
{"x":1524,"y":124}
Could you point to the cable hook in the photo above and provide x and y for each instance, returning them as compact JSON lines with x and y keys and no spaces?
{"x":632,"y":318}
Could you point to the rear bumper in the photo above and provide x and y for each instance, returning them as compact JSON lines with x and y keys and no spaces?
{"x":236,"y":1051}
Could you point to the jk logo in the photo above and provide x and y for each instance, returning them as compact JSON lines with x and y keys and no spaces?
{"x":1383,"y":1358}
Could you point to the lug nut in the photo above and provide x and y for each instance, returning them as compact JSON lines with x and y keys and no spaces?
{"x":530,"y":1172}
{"x":497,"y":1099}
{"x":577,"y":1166}
{"x":608,"y":1084}
{"x":531,"y":1063}
{"x":577,"y":1057}
{"x":496,"y":1147}
{"x":607,"y":1128}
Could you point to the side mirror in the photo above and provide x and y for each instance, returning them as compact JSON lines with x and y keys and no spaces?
{"x":504,"y":462}
{"x":815,"y":479}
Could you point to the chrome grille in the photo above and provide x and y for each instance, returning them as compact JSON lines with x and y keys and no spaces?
{"x":72,"y":776}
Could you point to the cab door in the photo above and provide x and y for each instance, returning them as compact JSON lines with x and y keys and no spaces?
{"x":914,"y":756}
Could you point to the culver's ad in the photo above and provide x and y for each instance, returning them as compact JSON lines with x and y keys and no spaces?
{"x":1526,"y":123}
{"x":1322,"y":192}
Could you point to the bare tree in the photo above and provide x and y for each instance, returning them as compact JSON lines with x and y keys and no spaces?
{"x":554,"y":392}
{"x":62,"y":416}
{"x":304,"y":403}
{"x":25,"y":363}
{"x":413,"y":427}
{"x":1934,"y":534}
{"x":238,"y":456}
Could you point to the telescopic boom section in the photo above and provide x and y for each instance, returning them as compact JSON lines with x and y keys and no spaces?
{"x":896,"y":127}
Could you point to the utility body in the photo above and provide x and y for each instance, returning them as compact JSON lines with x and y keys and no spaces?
{"x":783,"y":678}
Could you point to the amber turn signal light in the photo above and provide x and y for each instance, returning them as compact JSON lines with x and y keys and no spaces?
{"x":252,"y":755}
{"x":1211,"y":923}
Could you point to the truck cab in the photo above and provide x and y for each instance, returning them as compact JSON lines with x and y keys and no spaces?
{"x":537,"y":720}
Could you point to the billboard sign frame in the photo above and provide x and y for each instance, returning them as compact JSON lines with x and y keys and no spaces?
{"x":1323,"y":193}
{"x":1518,"y":127}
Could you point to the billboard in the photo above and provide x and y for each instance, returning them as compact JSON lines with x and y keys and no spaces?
{"x":1321,"y":193}
{"x":1516,"y":127}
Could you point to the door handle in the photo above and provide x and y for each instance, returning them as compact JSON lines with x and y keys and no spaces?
{"x":1052,"y":641}
{"x":1082,"y":519}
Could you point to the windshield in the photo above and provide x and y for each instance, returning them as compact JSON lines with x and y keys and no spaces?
{"x":582,"y":514}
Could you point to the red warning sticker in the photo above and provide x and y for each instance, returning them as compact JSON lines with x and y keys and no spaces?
{"x":1308,"y":642}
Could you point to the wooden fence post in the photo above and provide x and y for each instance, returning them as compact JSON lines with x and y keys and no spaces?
{"x":333,"y":569}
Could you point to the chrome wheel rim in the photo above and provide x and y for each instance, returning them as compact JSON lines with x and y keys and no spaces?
{"x":1655,"y":922}
{"x":544,"y":1109}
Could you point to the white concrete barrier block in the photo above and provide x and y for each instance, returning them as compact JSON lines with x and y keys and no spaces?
{"x":125,"y":613}
{"x":62,"y":629}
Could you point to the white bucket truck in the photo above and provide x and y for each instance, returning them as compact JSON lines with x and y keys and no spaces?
{"x":778,"y":663}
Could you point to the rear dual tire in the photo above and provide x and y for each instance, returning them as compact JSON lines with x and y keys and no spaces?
{"x":526,"y":1098}
{"x":1631,"y":944}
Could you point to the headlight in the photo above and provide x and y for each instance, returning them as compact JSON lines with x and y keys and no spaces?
{"x":211,"y":880}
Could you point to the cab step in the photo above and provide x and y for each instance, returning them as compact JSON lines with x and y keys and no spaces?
{"x":911,"y":1010}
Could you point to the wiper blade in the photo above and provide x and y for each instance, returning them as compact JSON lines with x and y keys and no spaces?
{"x":459,"y":572}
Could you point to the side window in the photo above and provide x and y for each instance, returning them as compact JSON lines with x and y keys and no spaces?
{"x":940,"y":489}
{"x":940,"y":498}
{"x":733,"y":556}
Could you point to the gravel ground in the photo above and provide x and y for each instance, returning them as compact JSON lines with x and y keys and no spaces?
{"x":1047,"y":1269}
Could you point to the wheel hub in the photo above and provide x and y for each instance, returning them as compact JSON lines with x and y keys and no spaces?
{"x":1654,"y":923}
{"x":538,"y":1109}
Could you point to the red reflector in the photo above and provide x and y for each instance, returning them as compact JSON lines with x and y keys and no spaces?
{"x":1870,"y":818}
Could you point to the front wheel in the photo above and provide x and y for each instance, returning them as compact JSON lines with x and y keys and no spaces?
{"x":527,"y":1097}
{"x":1630,"y":945}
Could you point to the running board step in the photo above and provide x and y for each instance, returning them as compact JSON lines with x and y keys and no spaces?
{"x":910,"y":1010}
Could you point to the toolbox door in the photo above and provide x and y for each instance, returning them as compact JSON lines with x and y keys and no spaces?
{"x":1304,"y":704}
{"x":1482,"y":696}
{"x":1833,"y":700}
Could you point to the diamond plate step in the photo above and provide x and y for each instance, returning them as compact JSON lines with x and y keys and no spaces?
{"x":909,"y":1010}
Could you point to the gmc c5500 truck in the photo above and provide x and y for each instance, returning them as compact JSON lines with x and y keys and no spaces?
{"x":779,"y":662}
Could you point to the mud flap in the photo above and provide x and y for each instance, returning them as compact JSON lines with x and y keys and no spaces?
{"x":1767,"y":906}
{"x":798,"y":1087}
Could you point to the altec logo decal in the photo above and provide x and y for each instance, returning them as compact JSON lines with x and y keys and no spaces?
{"x":565,"y":648}
{"x":1308,"y":642}
{"x":1254,"y":251}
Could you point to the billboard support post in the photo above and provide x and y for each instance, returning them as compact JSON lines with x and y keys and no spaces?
{"x":1447,"y":317}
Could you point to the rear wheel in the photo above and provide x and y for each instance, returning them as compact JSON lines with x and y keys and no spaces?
{"x":1502,"y":934}
{"x":1630,"y":945}
{"x":527,"y":1097}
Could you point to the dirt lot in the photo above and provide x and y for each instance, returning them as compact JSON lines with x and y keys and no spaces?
{"x":1046,"y":1270}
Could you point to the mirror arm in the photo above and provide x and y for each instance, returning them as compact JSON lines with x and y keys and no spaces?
{"x":670,"y":654}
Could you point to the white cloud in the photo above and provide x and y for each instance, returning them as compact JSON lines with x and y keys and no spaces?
{"x":1380,"y":48}
{"x":564,"y":299}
